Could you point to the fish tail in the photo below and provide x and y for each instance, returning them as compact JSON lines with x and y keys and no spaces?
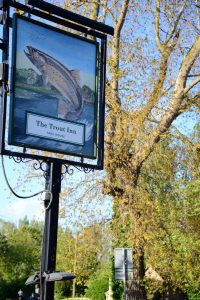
{"x":76,"y":114}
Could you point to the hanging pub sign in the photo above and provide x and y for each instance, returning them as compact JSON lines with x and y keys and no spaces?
{"x":54,"y":97}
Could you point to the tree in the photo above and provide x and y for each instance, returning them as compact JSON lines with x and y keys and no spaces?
{"x":132,"y":134}
{"x":171,"y":241}
{"x":21,"y":255}
{"x":82,"y":253}
{"x":153,"y":81}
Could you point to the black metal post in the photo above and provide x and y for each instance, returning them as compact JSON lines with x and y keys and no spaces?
{"x":125,"y":271}
{"x":5,"y":57}
{"x":48,"y":263}
{"x":102,"y":101}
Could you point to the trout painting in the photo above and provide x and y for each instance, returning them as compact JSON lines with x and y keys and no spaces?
{"x":54,"y":100}
{"x":66,"y":81}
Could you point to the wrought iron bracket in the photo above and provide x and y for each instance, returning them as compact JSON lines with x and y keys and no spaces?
{"x":69,"y":169}
{"x":37,"y":164}
{"x":42,"y":166}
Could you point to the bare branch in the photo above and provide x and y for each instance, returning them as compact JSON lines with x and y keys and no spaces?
{"x":174,"y":29}
{"x":106,"y":9}
{"x":157,"y":26}
{"x":191,"y":85}
{"x":186,"y":66}
{"x":157,"y":91}
{"x":182,"y":137}
{"x":114,"y":4}
{"x":167,"y":89}
{"x":105,"y":4}
{"x":94,"y":10}
{"x":171,"y":113}
{"x":189,"y":103}
{"x":115,"y":50}
{"x":194,"y":75}
{"x":153,"y":121}
{"x":121,"y":19}
{"x":171,"y":40}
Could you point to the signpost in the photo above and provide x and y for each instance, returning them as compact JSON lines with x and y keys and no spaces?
{"x":56,"y":106}
{"x":123,"y":265}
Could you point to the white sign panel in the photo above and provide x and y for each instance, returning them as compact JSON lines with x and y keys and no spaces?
{"x":55,"y":129}
{"x":123,"y":263}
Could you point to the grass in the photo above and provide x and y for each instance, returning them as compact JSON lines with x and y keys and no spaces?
{"x":39,"y":89}
{"x":76,"y":298}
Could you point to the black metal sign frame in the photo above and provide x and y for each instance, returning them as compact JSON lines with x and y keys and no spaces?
{"x":27,"y":36}
{"x":87,"y":26}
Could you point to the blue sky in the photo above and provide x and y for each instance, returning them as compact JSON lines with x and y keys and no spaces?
{"x":25,"y":180}
{"x":13,"y":208}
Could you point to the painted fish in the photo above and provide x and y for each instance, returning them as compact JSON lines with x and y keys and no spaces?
{"x":67,"y":82}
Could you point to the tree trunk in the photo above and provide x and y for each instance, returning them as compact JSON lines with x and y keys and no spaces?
{"x":136,"y":292}
{"x":135,"y":289}
{"x":178,"y":294}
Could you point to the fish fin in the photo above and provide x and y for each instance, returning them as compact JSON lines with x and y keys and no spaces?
{"x":62,"y":108}
{"x":76,"y":75}
{"x":45,"y":79}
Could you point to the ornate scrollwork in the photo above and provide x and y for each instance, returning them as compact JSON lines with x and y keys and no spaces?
{"x":69,"y":169}
{"x":86,"y":170}
{"x":37,"y":164}
{"x":41,"y":165}
{"x":20,"y":159}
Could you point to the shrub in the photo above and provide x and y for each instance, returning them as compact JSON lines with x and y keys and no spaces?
{"x":98,"y":286}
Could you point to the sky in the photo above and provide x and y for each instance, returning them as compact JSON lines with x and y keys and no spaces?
{"x":12,"y":208}
{"x":25,"y":180}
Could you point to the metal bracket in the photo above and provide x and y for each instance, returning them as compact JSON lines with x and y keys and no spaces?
{"x":54,"y":276}
{"x":69,"y":169}
{"x":2,"y":4}
{"x":2,"y":44}
{"x":37,"y":164}
{"x":3,"y":70}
